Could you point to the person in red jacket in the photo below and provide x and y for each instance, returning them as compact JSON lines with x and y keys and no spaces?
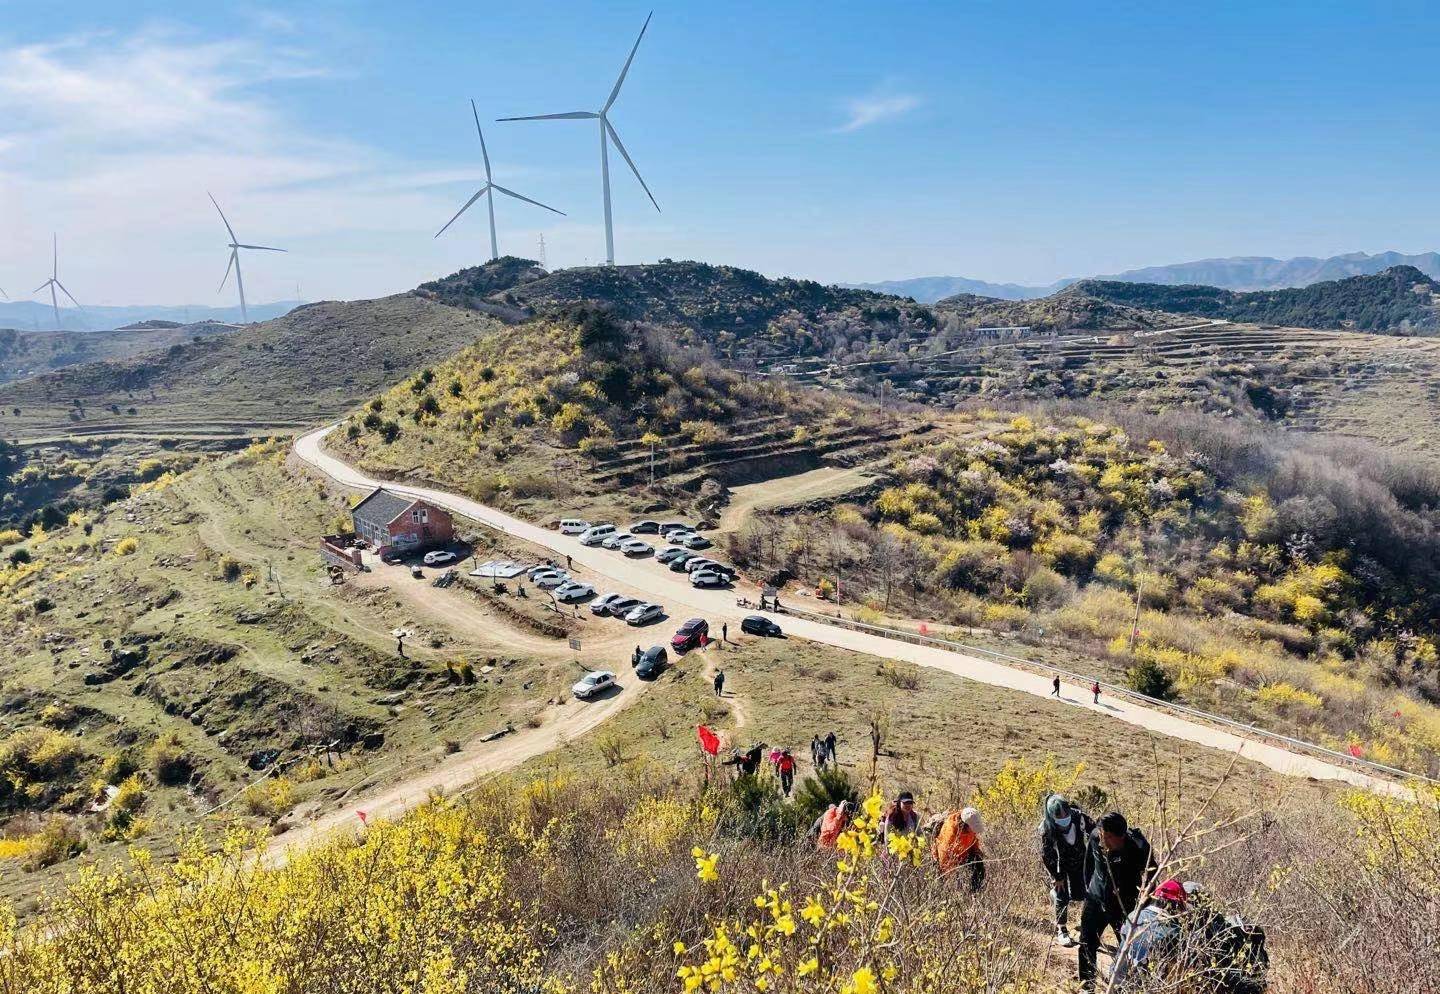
{"x":785,"y":766}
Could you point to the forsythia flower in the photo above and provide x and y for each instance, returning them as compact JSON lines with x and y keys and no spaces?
{"x":705,"y":865}
{"x":863,"y":982}
{"x":808,"y":967}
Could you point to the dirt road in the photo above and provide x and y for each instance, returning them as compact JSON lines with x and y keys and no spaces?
{"x":719,"y":605}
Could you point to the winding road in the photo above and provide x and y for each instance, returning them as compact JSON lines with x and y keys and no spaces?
{"x":680,"y":599}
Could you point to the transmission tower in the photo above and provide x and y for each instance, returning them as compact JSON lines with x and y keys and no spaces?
{"x":543,"y":264}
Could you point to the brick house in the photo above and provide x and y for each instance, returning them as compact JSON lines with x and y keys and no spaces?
{"x":392,"y":522}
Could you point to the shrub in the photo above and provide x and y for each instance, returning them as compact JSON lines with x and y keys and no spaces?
{"x":168,"y":758}
{"x":270,"y":798}
{"x":827,"y":786}
{"x":127,"y":546}
{"x":229,"y":568}
{"x":19,"y":557}
{"x":58,"y":840}
{"x":120,"y":817}
{"x":1018,"y":792}
{"x":1148,"y":677}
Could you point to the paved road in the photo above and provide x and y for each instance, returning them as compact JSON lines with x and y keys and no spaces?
{"x":680,"y":600}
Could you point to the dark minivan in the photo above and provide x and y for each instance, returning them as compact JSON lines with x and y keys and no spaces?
{"x":652,"y":662}
{"x":690,"y":634}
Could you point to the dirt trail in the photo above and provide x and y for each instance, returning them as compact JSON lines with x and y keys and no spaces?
{"x":827,"y":481}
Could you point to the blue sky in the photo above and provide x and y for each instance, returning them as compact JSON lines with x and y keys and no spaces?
{"x":839,"y":141}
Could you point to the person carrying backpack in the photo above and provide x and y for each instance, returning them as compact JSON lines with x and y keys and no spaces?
{"x":1064,"y":832}
{"x":785,"y":766}
{"x":1118,"y":864}
{"x":957,"y":844}
{"x":832,"y":824}
{"x":1095,"y":690}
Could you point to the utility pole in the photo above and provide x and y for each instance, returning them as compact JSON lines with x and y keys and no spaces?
{"x":1139,"y":592}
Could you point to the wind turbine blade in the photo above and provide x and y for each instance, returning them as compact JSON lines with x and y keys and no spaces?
{"x":619,"y":82}
{"x":69,"y":294}
{"x":630,"y":162}
{"x":262,"y":248}
{"x":55,"y":259}
{"x":228,"y":266}
{"x":462,"y":210}
{"x":574,"y":115}
{"x":3,"y":293}
{"x":512,"y":193}
{"x":483,"y":151}
{"x":222,"y":216}
{"x":39,"y":288}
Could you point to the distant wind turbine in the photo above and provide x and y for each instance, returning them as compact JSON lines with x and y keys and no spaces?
{"x":235,"y":247}
{"x":54,"y":281}
{"x":490,"y":185}
{"x":607,"y":134}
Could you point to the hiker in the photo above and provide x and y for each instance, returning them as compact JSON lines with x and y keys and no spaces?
{"x":719,"y":683}
{"x":776,"y":599}
{"x":786,"y":768}
{"x":1118,"y":863}
{"x":567,"y":561}
{"x":957,"y":844}
{"x":400,"y":645}
{"x":1095,"y":689}
{"x":817,"y":752}
{"x":830,"y":748}
{"x":724,"y":631}
{"x":900,"y":818}
{"x":635,"y":657}
{"x":1063,"y":835}
{"x":830,"y":825}
{"x":1056,"y":684}
{"x":751,"y":765}
{"x":1180,"y":933}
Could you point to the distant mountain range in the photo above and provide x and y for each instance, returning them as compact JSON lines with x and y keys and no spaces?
{"x":30,"y":315}
{"x":1236,"y":273}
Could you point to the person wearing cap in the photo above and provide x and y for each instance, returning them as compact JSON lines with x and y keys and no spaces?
{"x":1154,"y":938}
{"x":1063,"y":836}
{"x":1118,"y":864}
{"x":902,"y":818}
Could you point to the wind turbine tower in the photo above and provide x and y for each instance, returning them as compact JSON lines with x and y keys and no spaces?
{"x":607,"y":134}
{"x":235,"y":247}
{"x":54,"y":281}
{"x":492,"y":188}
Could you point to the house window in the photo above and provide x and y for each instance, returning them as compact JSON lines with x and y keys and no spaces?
{"x":419,"y":515}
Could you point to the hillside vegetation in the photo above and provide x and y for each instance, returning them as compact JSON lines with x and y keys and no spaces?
{"x":1401,"y":300}
{"x":1292,"y":584}
{"x":31,"y":353}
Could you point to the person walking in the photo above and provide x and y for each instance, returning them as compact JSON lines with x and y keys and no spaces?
{"x":901,"y":818}
{"x":830,"y":748}
{"x":1056,"y":685}
{"x":1064,"y":833}
{"x":957,"y":845}
{"x":829,"y":826}
{"x":785,"y":766}
{"x":635,"y":657}
{"x":400,"y":645}
{"x":1095,"y":690}
{"x":817,"y":752}
{"x":1118,"y":864}
{"x":724,"y":631}
{"x":719,"y":683}
{"x":568,"y":564}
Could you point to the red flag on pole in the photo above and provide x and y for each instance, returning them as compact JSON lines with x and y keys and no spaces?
{"x":362,"y":816}
{"x":709,"y":741}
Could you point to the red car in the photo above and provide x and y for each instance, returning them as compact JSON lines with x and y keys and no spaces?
{"x":690,"y":634}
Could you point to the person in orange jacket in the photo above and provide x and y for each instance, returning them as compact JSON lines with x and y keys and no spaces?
{"x":832,"y":824}
{"x":957,"y":844}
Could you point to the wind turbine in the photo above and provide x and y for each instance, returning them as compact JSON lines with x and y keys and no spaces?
{"x":54,"y":281}
{"x":235,"y":247}
{"x":490,"y":185}
{"x":607,"y":134}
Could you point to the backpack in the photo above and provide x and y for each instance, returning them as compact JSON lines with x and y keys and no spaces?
{"x":954,"y":843}
{"x":832,"y":824}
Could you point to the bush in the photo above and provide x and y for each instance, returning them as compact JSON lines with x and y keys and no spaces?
{"x":270,"y":798}
{"x":58,"y":840}
{"x":1148,"y":677}
{"x":754,"y":808}
{"x":127,"y":546}
{"x":168,"y":758}
{"x":229,"y":569}
{"x":19,"y":557}
{"x":828,"y":786}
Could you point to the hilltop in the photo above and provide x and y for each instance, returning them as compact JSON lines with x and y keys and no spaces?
{"x":1400,"y":300}
{"x":32,"y":353}
{"x":1071,"y":309}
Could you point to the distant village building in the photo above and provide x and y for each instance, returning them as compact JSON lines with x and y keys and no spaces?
{"x":389,"y":520}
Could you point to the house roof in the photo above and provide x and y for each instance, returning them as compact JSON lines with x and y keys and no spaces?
{"x":382,"y":506}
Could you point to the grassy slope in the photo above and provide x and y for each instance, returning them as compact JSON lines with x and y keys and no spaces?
{"x":31,"y":353}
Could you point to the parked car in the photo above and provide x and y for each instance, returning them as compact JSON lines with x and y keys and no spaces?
{"x":596,"y":534}
{"x":635,"y":547}
{"x":622,"y":606}
{"x":616,"y":540}
{"x":700,"y":562}
{"x":592,"y":683}
{"x":645,"y":527}
{"x":673,"y":526}
{"x":707,"y":578}
{"x":756,"y":625}
{"x":678,"y":536}
{"x":539,"y":568}
{"x":551,"y":580}
{"x":688,"y":635}
{"x":678,"y":564}
{"x":439,"y":558}
{"x":601,"y":605}
{"x":694,"y":541}
{"x":652,"y":662}
{"x":643,"y":614}
{"x":668,"y":556}
{"x":573,"y":526}
{"x":573,"y":590}
{"x":417,"y":572}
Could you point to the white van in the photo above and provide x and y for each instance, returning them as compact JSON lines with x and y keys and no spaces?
{"x":596,"y":534}
{"x":572,"y":526}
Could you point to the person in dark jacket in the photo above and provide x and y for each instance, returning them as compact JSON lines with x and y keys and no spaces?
{"x":1063,"y":837}
{"x":1118,"y":864}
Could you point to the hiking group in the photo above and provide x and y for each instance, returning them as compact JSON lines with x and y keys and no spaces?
{"x":1107,"y":867}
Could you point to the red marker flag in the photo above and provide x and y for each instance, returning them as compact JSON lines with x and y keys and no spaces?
{"x":709,"y":741}
{"x":362,"y":816}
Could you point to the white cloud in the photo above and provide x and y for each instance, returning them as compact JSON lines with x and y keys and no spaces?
{"x":876,"y":107}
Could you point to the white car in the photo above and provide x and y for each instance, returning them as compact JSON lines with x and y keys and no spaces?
{"x":596,"y":534}
{"x":601,"y":605}
{"x":572,"y":590}
{"x":616,"y":540}
{"x":674,"y":526}
{"x":635,"y":547}
{"x":622,"y":606}
{"x":439,"y":558}
{"x":573,"y":526}
{"x":592,"y":683}
{"x":708,"y":578}
{"x":678,"y":536}
{"x":694,"y":541}
{"x":643,"y":614}
{"x":551,"y":580}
